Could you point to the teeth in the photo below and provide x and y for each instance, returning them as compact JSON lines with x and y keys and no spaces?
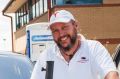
{"x":64,"y":38}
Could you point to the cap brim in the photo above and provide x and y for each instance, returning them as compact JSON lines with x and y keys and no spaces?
{"x":63,"y":20}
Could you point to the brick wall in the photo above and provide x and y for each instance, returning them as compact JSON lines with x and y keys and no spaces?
{"x":97,"y":22}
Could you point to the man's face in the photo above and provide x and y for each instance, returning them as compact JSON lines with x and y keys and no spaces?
{"x":64,"y":34}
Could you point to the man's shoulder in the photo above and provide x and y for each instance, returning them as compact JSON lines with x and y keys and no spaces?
{"x":94,"y":45}
{"x":92,"y":42}
{"x":83,"y":39}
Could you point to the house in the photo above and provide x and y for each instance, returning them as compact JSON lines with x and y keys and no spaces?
{"x":98,"y":19}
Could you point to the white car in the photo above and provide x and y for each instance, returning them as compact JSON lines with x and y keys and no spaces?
{"x":15,"y":66}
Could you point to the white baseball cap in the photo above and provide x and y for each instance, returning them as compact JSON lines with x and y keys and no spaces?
{"x":61,"y":16}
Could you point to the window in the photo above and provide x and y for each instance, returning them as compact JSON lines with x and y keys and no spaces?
{"x":83,"y":2}
{"x":22,"y":16}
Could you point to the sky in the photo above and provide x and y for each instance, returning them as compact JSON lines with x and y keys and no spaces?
{"x":5,"y":29}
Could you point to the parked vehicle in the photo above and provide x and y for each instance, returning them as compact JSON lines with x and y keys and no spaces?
{"x":116,"y":58}
{"x":15,"y":66}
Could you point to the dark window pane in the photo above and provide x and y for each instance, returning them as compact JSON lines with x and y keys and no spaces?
{"x":83,"y":1}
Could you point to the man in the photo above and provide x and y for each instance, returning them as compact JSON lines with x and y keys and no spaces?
{"x":74,"y":56}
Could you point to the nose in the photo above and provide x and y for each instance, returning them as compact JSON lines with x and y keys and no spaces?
{"x":61,"y":33}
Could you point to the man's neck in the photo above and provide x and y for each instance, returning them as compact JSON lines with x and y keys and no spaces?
{"x":68,"y":55}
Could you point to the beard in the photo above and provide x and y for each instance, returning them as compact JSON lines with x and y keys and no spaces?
{"x":72,"y":42}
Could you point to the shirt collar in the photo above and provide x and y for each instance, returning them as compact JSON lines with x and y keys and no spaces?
{"x":57,"y":51}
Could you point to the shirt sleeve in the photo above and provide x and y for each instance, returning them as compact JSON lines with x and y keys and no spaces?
{"x":103,"y":62}
{"x":38,"y":73}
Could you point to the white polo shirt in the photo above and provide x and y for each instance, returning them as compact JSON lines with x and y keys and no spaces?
{"x":90,"y":60}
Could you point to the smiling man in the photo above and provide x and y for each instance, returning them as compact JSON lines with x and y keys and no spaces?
{"x":74,"y":56}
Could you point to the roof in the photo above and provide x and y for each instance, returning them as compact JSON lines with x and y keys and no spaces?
{"x":13,"y":6}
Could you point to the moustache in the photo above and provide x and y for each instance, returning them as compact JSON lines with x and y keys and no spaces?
{"x":59,"y":39}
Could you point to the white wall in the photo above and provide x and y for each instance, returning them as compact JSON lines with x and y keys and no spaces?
{"x":5,"y":33}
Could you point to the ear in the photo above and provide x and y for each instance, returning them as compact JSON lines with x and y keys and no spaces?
{"x":74,"y":23}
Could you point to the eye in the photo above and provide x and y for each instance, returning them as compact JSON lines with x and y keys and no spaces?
{"x":64,"y":27}
{"x":54,"y":30}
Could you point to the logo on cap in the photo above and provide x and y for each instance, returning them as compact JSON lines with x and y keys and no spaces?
{"x":55,"y":14}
